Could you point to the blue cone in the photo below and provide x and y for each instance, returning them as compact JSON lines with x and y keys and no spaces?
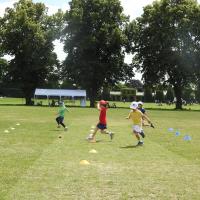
{"x":187,"y":138}
{"x":177,"y":133}
{"x":170,"y":129}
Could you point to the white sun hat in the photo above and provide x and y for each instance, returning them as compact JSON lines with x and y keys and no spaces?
{"x":134,"y":105}
{"x":140,"y":102}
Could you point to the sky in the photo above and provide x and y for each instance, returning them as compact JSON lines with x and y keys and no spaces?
{"x":133,"y":8}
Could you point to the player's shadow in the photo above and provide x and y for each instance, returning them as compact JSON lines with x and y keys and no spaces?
{"x":56,"y":130}
{"x":129,"y":147}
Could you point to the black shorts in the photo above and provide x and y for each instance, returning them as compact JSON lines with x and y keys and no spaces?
{"x":101,"y":126}
{"x":60,"y":119}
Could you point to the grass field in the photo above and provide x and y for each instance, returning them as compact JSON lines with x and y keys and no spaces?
{"x":37,"y":164}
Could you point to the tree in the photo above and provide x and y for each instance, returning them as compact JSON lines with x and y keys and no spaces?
{"x":167,"y":43}
{"x":28,"y":35}
{"x":94,"y":43}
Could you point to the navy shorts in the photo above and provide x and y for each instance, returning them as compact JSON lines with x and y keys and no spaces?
{"x":60,"y":119}
{"x":101,"y":126}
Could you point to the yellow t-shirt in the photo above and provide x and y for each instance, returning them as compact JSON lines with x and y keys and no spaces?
{"x":136,"y":117}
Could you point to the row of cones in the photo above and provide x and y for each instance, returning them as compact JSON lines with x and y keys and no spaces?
{"x":85,"y":162}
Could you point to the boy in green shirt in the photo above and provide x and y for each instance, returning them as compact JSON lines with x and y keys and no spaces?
{"x":61,"y":115}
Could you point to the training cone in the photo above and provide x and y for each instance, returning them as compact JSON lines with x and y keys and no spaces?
{"x":187,"y":138}
{"x":92,"y":151}
{"x":92,"y":127}
{"x":170,"y":129}
{"x":12,"y":128}
{"x":177,"y":133}
{"x":6,"y":131}
{"x":84,"y":162}
{"x":18,"y":124}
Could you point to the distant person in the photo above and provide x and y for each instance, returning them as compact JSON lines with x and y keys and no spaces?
{"x":53,"y":103}
{"x":137,"y":116}
{"x":140,"y":108}
{"x":102,"y":106}
{"x":61,"y":115}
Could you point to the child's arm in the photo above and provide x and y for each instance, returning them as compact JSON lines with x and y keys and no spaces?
{"x":98,"y":106}
{"x":66,"y":109}
{"x":149,"y":121}
{"x":128,"y":117}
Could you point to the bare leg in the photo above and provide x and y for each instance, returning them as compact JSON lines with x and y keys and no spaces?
{"x":137,"y":136}
{"x":140,"y":142}
{"x":111,"y":134}
{"x":94,"y":132}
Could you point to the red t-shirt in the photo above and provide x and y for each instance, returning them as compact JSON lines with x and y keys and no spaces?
{"x":102,"y":116}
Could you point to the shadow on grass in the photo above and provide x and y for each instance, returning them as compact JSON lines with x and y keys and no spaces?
{"x":57,"y":130}
{"x":129,"y":147}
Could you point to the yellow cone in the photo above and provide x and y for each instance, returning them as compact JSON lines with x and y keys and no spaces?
{"x":84,"y":162}
{"x":92,"y":151}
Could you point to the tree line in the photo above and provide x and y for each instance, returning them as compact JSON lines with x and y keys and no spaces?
{"x":165,"y":42}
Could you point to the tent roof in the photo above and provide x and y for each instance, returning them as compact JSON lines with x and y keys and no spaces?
{"x":60,"y":92}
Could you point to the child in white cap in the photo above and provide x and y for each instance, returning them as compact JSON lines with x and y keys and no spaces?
{"x":137,"y":116}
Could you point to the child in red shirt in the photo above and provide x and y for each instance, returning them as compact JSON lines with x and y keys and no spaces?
{"x":102,"y":125}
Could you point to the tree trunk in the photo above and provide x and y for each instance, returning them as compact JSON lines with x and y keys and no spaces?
{"x":28,"y":101}
{"x":28,"y":93}
{"x":92,"y":96}
{"x":178,"y":94}
{"x":92,"y":102}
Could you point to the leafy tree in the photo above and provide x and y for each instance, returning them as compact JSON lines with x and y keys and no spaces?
{"x":167,"y":43}
{"x":28,"y":35}
{"x":94,"y":42}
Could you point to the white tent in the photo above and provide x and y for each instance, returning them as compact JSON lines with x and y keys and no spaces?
{"x":61,"y":93}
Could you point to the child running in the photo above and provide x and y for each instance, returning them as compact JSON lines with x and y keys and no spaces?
{"x":102,"y":124}
{"x":137,"y":116}
{"x":61,"y":115}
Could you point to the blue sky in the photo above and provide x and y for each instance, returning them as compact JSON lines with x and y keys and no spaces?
{"x":53,"y":2}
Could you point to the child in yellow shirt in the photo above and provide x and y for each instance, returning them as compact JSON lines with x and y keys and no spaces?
{"x":137,"y":116}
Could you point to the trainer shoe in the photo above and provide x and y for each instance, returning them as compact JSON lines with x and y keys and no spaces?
{"x":65,"y":129}
{"x":140,"y":143}
{"x":142,"y":134}
{"x":111,"y":135}
{"x":152,"y":126}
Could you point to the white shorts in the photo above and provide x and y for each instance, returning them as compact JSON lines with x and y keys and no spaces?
{"x":137,"y":128}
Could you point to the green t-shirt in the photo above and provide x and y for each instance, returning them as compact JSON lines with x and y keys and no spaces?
{"x":62,"y":111}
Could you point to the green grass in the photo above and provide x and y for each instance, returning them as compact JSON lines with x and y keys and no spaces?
{"x":37,"y":164}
